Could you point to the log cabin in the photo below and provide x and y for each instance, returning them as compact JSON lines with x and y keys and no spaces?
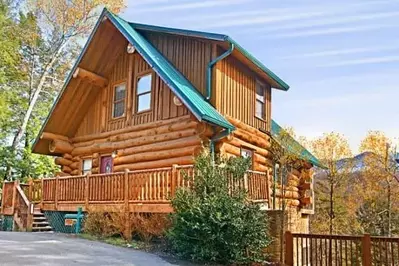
{"x":135,"y":110}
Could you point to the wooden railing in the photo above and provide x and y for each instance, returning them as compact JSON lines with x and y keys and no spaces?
{"x":152,"y":186}
{"x":16,"y":203}
{"x":7,"y":204}
{"x":311,"y":249}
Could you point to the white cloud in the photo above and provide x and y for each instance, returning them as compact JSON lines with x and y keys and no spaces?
{"x":191,"y":5}
{"x":362,"y":61}
{"x":334,"y":20}
{"x":328,"y":31}
{"x":345,"y":51}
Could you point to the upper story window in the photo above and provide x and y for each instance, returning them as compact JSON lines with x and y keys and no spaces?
{"x":118,"y":109}
{"x":260,"y":105}
{"x":86,"y":166}
{"x":144,"y":84}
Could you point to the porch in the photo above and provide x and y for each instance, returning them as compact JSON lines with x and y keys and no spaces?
{"x":130,"y":191}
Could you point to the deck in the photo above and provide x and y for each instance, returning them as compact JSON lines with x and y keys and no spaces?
{"x":130,"y":191}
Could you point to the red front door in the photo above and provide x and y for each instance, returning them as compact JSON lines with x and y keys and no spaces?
{"x":106,"y":165}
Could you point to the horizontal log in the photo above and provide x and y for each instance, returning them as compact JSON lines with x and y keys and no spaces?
{"x":288,"y":194}
{"x":173,"y":127}
{"x":66,"y":169}
{"x":239,"y":124}
{"x":62,"y":161}
{"x":52,"y":136}
{"x":114,"y":146}
{"x":252,"y":139}
{"x":91,"y":77}
{"x":151,"y":156}
{"x":75,"y":172}
{"x":167,"y":145}
{"x":60,"y":146}
{"x":67,"y":156}
{"x":95,"y":170}
{"x":232,"y":149}
{"x":240,"y":143}
{"x":75,"y":165}
{"x":76,"y":159}
{"x":155,"y":164}
{"x":128,"y":129}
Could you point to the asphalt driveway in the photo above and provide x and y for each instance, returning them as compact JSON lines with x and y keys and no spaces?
{"x":57,"y":249}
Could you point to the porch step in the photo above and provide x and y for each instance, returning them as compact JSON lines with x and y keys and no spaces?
{"x":40,"y":223}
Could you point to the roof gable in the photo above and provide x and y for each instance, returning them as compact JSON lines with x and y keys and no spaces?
{"x":178,"y":83}
{"x":276,"y":81}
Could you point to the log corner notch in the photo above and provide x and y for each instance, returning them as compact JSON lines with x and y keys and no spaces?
{"x":91,"y":77}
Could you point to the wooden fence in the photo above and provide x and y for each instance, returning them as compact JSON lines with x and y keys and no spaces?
{"x":125,"y":189}
{"x":366,"y":250}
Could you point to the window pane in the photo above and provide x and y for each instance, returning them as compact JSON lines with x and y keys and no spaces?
{"x":260,"y":91}
{"x":144,"y":84}
{"x":86,"y":167}
{"x":144,"y":102}
{"x":260,"y":109}
{"x":119,"y":92}
{"x":119,"y":109}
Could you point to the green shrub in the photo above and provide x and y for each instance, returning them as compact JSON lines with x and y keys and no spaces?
{"x":214,"y":222}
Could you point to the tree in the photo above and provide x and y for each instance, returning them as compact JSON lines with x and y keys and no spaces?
{"x":379,"y":175}
{"x":213,"y":221}
{"x":50,"y":36}
{"x":331,"y":187}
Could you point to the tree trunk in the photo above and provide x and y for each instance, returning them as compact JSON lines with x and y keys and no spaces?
{"x":22,"y":129}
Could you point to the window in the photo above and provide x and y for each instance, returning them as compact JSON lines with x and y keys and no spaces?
{"x":260,"y":101}
{"x":144,"y":93}
{"x":118,"y":109}
{"x":86,"y":166}
{"x":247,"y":153}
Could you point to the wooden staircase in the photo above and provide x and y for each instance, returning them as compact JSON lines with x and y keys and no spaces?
{"x":40,"y":223}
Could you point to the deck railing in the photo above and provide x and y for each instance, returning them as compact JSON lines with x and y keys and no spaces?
{"x":366,"y":250}
{"x":150,"y":186}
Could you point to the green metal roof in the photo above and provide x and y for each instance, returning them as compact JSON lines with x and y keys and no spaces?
{"x":291,"y":144}
{"x":216,"y":37}
{"x":178,"y":83}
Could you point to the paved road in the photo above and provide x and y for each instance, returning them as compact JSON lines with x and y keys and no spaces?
{"x":57,"y":249}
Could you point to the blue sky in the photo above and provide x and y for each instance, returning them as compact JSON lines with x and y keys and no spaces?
{"x":341,"y":58}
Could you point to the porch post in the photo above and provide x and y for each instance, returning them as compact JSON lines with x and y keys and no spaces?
{"x":366,"y":250}
{"x":173,"y":180}
{"x":128,"y":229}
{"x":55,"y":193}
{"x":288,"y":249}
{"x":87,"y":192}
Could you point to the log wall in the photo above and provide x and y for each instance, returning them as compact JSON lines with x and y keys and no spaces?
{"x":151,"y":145}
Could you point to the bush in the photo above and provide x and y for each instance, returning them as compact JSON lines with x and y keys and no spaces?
{"x":100,"y":224}
{"x":148,"y":226}
{"x":215,"y":222}
{"x":107,"y":224}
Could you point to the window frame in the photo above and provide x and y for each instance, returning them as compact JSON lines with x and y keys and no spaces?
{"x":113,"y":102}
{"x":263,"y":85}
{"x":82,"y":170}
{"x":252,"y":151}
{"x":150,"y":92}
